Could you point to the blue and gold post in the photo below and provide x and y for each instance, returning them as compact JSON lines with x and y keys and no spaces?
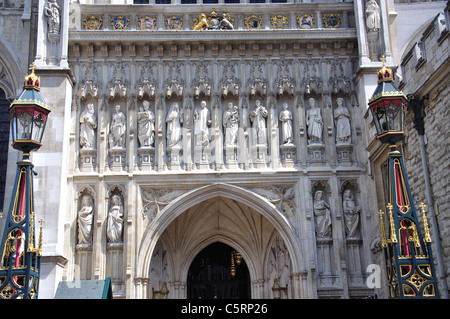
{"x":19,"y":252}
{"x":407,"y":249}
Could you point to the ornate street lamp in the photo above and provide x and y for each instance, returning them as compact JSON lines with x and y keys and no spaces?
{"x":20,"y":254}
{"x":409,"y":260}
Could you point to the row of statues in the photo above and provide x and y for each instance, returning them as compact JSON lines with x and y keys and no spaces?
{"x":322,"y":215}
{"x":202,"y":122}
{"x":114,"y":231}
{"x":85,"y":219}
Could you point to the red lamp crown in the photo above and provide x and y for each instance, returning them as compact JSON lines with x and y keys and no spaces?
{"x":32,"y":81}
{"x":385,"y":73}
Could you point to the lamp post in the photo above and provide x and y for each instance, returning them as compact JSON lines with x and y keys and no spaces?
{"x":19,"y":252}
{"x":409,"y":260}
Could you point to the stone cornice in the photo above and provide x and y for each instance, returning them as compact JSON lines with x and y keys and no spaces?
{"x":211,"y":35}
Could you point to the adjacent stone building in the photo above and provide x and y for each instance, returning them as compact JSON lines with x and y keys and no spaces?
{"x":221,"y":149}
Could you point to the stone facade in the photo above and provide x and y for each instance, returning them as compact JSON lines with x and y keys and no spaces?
{"x":426,"y":78}
{"x":166,"y":137}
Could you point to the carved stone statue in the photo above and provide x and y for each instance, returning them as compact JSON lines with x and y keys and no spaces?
{"x":258,"y":119}
{"x":202,"y":121}
{"x":115,"y":221}
{"x":85,"y":217}
{"x":174,"y":119}
{"x":52,"y":12}
{"x":351,"y":214}
{"x":225,"y":23}
{"x":322,"y":215}
{"x":146,"y":125}
{"x":88,"y":124}
{"x":202,"y":23}
{"x":314,"y":123}
{"x":342,"y":118}
{"x":372,"y":16}
{"x":286,"y":125}
{"x":231,"y":124}
{"x":118,"y":129}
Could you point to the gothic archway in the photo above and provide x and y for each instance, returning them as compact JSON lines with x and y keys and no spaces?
{"x":222,"y":213}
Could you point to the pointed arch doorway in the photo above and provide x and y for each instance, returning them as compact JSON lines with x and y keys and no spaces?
{"x":218,"y":272}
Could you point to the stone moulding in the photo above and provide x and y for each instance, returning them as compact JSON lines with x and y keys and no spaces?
{"x":211,"y":35}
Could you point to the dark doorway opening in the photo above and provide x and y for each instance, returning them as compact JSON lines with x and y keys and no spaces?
{"x":210,"y":274}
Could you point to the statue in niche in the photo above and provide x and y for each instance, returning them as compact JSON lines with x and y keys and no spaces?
{"x":115,"y":221}
{"x":85,"y":218}
{"x":351,"y":214}
{"x":88,"y":124}
{"x":118,"y":128}
{"x":258,"y":119}
{"x":372,"y":13}
{"x":202,"y":121}
{"x":231,"y":124}
{"x":286,"y":125}
{"x":342,"y":118}
{"x":174,"y":119}
{"x":322,"y":215}
{"x":52,"y":12}
{"x":314,"y":123}
{"x":146,"y":125}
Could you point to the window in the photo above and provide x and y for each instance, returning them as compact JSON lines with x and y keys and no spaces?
{"x":163,"y":1}
{"x":4,"y":143}
{"x":210,"y":1}
{"x":141,"y":1}
{"x":188,"y":1}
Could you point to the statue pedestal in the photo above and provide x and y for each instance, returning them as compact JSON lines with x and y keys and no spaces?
{"x":231,"y":156}
{"x":146,"y":156}
{"x":88,"y":159}
{"x":173,"y":157}
{"x":372,"y":38}
{"x":117,"y":158}
{"x":259,"y":154}
{"x":114,"y":268}
{"x":201,"y":156}
{"x":344,"y":154}
{"x":84,"y":260}
{"x":316,"y":153}
{"x":288,"y":152}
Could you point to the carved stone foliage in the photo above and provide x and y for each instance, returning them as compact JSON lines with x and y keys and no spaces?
{"x":282,"y":196}
{"x":257,"y":83}
{"x":155,"y":199}
{"x":230,"y":82}
{"x":118,"y":85}
{"x":146,"y":87}
{"x":202,"y":83}
{"x":90,"y":85}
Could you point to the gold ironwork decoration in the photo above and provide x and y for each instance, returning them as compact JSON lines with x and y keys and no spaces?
{"x":147,"y":23}
{"x":174,"y":23}
{"x":120,"y":23}
{"x":279,"y":21}
{"x":391,"y":223}
{"x":253,"y":22}
{"x":332,"y":20}
{"x":306,"y":21}
{"x":92,"y":23}
{"x":426,"y":230}
{"x":383,"y":233}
